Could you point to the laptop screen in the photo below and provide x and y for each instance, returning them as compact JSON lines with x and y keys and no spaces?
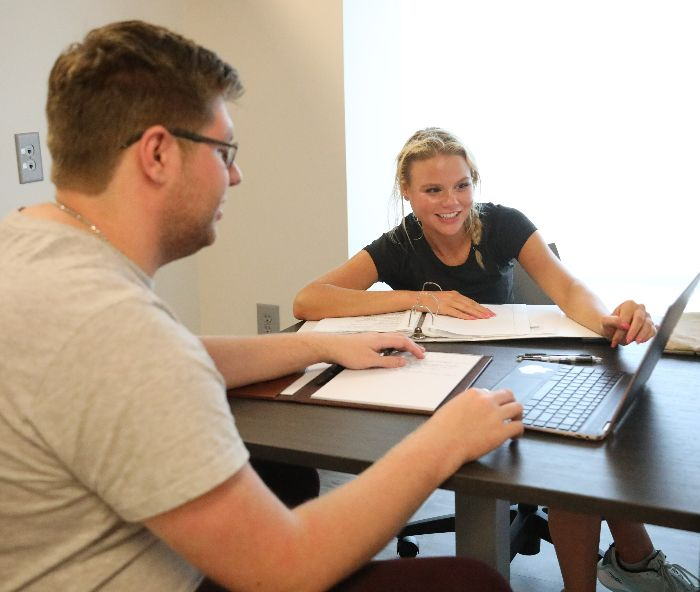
{"x":658,"y":344}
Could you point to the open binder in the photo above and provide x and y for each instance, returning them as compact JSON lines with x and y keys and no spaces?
{"x":398,"y":389}
{"x":512,"y":321}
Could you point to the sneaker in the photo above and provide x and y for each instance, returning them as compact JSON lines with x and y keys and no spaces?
{"x":658,"y":576}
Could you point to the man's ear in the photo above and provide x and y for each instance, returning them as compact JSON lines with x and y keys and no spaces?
{"x":157,"y":151}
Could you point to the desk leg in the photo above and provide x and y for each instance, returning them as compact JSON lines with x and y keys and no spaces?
{"x":482,"y":530}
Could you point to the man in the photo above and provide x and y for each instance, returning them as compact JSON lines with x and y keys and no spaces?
{"x":120,"y":464}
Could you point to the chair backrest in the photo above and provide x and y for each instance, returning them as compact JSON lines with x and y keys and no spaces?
{"x":525,"y":290}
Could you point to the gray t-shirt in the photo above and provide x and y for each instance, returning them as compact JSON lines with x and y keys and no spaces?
{"x":111,"y":412}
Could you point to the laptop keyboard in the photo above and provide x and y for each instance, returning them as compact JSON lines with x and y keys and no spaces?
{"x":566,"y":401}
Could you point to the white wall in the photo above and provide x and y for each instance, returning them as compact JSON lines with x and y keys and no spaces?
{"x":581,"y":115}
{"x":287,"y":222}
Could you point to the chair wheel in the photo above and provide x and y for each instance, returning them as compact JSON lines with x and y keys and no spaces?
{"x":407,"y":547}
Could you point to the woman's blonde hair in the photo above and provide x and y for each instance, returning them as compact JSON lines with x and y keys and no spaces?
{"x":427,"y":143}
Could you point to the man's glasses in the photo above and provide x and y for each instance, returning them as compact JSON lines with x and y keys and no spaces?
{"x":227,"y":151}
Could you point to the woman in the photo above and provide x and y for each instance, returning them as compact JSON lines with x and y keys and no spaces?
{"x":467,"y":250}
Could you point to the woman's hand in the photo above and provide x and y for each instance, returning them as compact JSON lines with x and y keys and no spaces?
{"x":454,"y":304}
{"x":629,"y":322}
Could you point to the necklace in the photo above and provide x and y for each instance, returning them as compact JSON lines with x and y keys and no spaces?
{"x":80,"y":218}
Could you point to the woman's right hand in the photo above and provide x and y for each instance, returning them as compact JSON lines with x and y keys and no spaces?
{"x":454,"y":304}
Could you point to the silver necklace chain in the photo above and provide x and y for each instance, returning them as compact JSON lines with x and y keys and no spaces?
{"x":80,"y":218}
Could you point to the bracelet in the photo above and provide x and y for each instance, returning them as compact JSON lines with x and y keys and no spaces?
{"x":420,"y":304}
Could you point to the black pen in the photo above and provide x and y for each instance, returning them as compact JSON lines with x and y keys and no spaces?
{"x":561,"y":359}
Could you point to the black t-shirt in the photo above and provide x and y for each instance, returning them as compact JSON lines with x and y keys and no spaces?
{"x":406,"y":264}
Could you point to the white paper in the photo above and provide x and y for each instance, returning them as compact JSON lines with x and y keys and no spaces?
{"x":420,"y":384}
{"x":547,"y":320}
{"x":686,"y":335}
{"x":511,"y":320}
{"x":527,"y":321}
{"x":309,"y":374}
{"x":382,"y":323}
{"x":308,"y":326}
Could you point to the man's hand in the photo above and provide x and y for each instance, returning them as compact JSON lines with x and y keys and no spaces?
{"x":364,"y":350}
{"x":477,"y":421}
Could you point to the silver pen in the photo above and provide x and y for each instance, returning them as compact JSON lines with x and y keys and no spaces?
{"x":561,"y":359}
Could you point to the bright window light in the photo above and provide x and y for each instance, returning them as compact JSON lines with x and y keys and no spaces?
{"x":583,"y":115}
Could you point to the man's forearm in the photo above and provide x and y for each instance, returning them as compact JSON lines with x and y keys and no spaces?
{"x":244,"y":360}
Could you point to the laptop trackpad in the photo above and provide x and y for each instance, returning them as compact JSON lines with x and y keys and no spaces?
{"x":530,"y":380}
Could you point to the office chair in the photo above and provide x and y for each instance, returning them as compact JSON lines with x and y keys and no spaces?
{"x":525,"y":290}
{"x":528,"y":527}
{"x":528,"y":523}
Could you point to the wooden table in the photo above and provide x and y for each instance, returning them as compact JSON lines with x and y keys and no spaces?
{"x":647,"y":470}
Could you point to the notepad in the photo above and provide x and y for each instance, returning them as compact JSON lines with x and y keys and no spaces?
{"x":420,"y":385}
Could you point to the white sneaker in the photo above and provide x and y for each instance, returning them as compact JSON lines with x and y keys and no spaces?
{"x":657,"y":576}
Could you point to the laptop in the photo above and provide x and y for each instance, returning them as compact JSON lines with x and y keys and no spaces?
{"x":586,"y":401}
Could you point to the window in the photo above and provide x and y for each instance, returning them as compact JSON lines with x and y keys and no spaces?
{"x":584,"y":115}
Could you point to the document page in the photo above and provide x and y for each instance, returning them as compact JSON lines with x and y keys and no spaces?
{"x":548,"y":320}
{"x":419,"y":385}
{"x":511,"y":320}
{"x":381,"y":323}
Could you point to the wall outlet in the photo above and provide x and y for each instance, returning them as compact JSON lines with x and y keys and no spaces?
{"x":29,"y":164}
{"x":268,"y":318}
